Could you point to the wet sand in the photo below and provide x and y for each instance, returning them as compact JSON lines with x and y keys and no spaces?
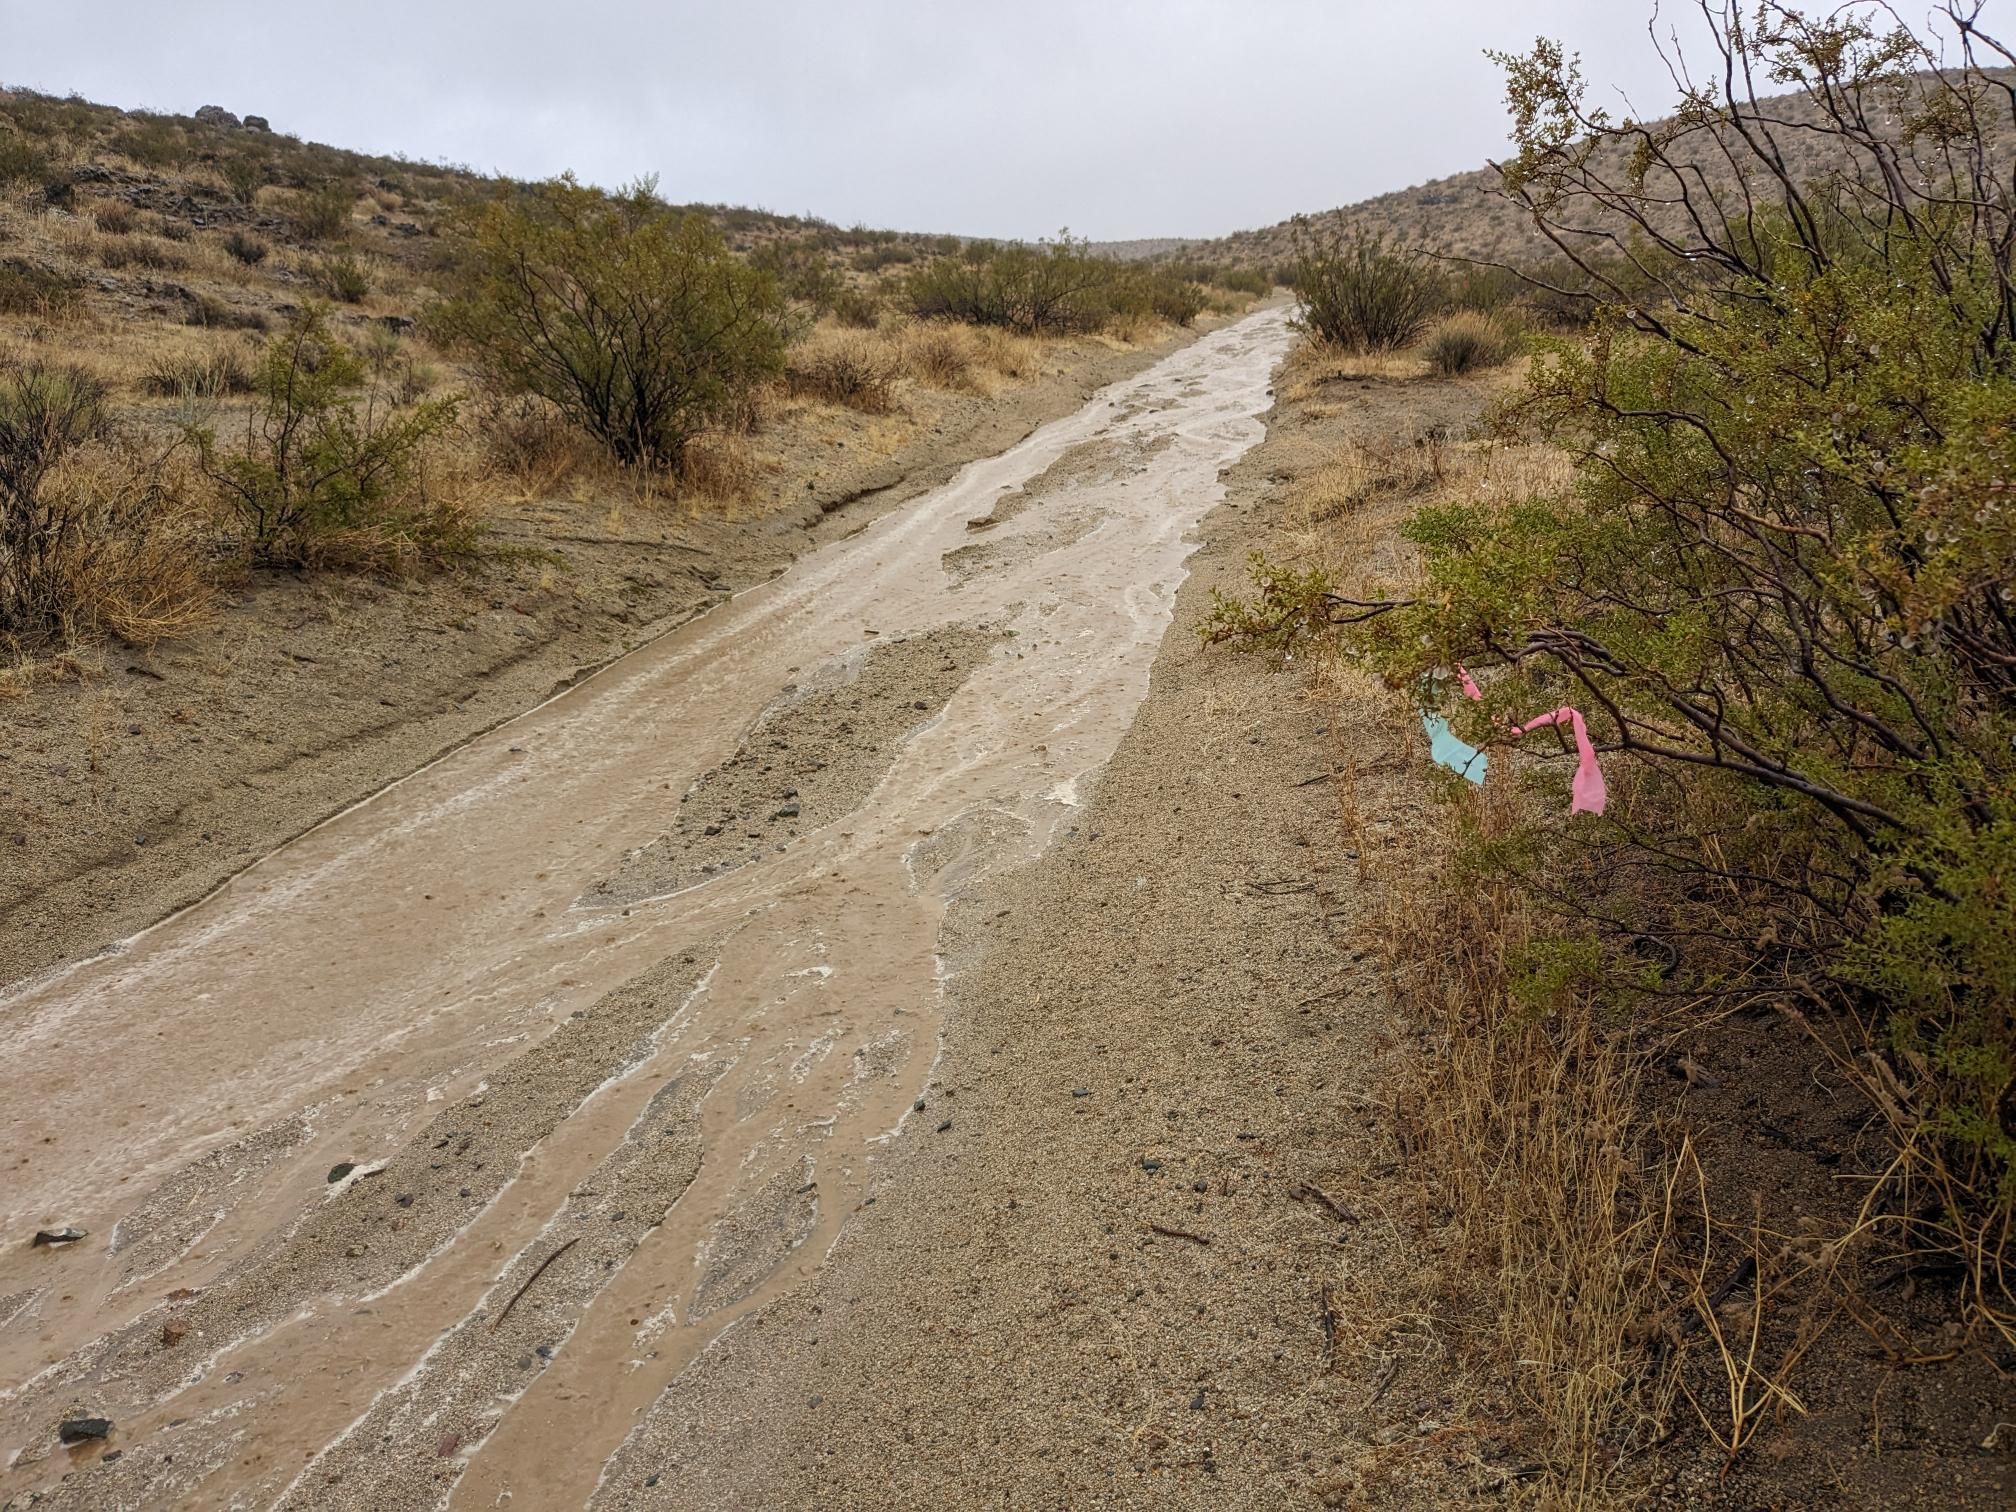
{"x":589,"y":1134}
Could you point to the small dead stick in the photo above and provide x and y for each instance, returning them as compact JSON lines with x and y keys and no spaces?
{"x":534,"y":1277}
{"x":1175,"y":1233}
{"x":1304,"y":1191}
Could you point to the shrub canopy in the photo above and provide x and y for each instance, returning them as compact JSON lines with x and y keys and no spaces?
{"x":634,"y":320}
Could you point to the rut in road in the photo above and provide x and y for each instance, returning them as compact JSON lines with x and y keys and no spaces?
{"x":609,"y":1011}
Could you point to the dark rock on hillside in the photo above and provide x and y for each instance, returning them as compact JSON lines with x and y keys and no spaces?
{"x":217,"y":115}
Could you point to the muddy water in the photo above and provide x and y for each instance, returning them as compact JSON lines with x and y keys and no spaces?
{"x":613,"y":1120}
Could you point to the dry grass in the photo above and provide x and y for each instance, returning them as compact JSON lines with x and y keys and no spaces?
{"x":1522,"y":1121}
{"x":1531,"y":1181}
{"x":1311,"y":365}
{"x":721,"y":468}
{"x":134,"y":557}
{"x":857,"y":370}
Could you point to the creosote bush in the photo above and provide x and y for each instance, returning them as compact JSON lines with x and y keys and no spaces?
{"x":323,"y":213}
{"x":1053,"y":288}
{"x":1359,"y":293}
{"x":247,"y":250}
{"x":1780,"y":590}
{"x":326,"y":464}
{"x":631,"y":319}
{"x":341,"y":277}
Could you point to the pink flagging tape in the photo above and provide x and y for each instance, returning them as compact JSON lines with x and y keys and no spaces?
{"x":1588,"y":794}
{"x":1470,"y":688}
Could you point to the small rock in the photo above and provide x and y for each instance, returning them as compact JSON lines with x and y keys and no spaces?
{"x":355,"y":1252}
{"x":788,"y":811}
{"x":944,"y":1126}
{"x":544,"y":1351}
{"x":1081,"y":1091}
{"x":257,"y":123}
{"x":56,"y":1236}
{"x":174,"y":1331}
{"x":712,"y":829}
{"x":917,"y":1106}
{"x":84,"y":1429}
{"x":1150,"y":1165}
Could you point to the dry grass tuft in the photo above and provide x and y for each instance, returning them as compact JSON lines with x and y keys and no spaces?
{"x":1521,"y":1118}
{"x":854,"y":369}
{"x":135,"y":558}
{"x":940,"y":354}
{"x":1468,"y":342}
{"x":719,"y":467}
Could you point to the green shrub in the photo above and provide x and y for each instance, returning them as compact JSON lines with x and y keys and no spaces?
{"x":1245,"y":281}
{"x":153,"y":144}
{"x":1781,"y":589}
{"x":323,"y":456}
{"x":245,"y":175}
{"x":341,"y":277}
{"x":1466,"y":342}
{"x":246,"y":249}
{"x":21,"y":160}
{"x":1359,"y":293}
{"x":1053,"y":287}
{"x":635,"y":321}
{"x":803,"y":271}
{"x":860,"y":308}
{"x":1486,"y":290}
{"x":323,"y":213}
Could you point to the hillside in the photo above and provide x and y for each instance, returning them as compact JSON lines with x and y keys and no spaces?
{"x":1467,"y":215}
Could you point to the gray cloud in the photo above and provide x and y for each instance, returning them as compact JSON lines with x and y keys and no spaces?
{"x":1119,"y":118}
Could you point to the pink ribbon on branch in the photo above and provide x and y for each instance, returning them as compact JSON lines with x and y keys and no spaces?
{"x":1588,"y":794}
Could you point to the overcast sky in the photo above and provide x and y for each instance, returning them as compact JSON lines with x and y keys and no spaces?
{"x":1118,"y":118}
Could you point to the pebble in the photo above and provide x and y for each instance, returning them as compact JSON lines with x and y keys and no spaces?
{"x":341,"y":1169}
{"x":81,"y":1430}
{"x":56,"y":1236}
{"x":1150,"y":1165}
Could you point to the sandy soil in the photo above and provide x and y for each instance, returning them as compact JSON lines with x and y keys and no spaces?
{"x":131,"y":791}
{"x":504,"y":1155}
{"x":1108,"y":1267}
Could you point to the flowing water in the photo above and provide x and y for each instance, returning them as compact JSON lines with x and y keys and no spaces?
{"x":626,"y":1077}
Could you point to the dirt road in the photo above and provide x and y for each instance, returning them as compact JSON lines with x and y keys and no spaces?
{"x":419,"y":1160}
